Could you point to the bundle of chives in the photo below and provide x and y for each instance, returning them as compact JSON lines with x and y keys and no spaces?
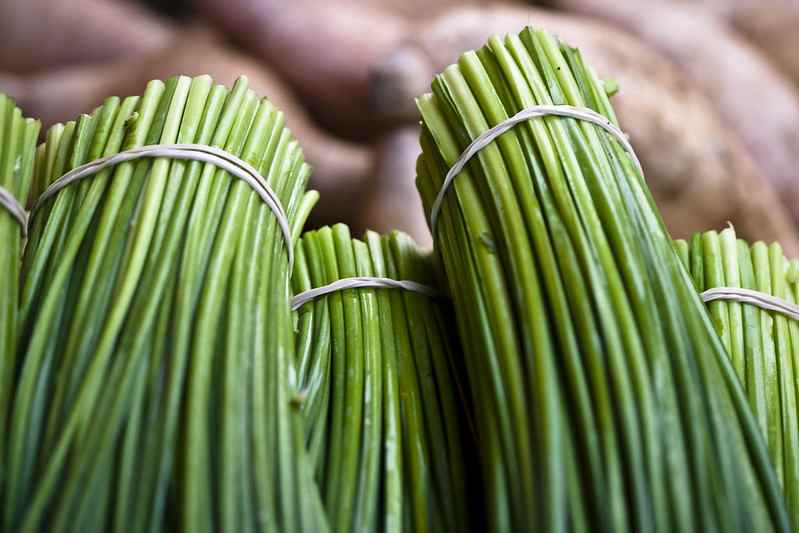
{"x":17,"y":147}
{"x":378,"y":370}
{"x":153,"y":386}
{"x":604,"y":400}
{"x":763,"y":345}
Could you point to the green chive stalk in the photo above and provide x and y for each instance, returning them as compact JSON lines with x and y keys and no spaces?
{"x":378,"y":371}
{"x":153,"y":392}
{"x":604,"y":400}
{"x":17,"y":148}
{"x":763,"y":346}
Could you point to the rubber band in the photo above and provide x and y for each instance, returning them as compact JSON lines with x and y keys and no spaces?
{"x":748,"y":296}
{"x":193,"y":152}
{"x":361,"y":282}
{"x":14,"y":208}
{"x":485,"y":138}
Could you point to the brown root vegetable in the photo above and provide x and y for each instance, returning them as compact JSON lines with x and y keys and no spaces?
{"x":324,"y":49}
{"x":729,"y":7}
{"x":421,"y":9}
{"x":699,"y":172}
{"x":340,"y":168}
{"x":392,"y":202}
{"x":41,"y":34}
{"x":746,"y":89}
{"x":775,"y":31}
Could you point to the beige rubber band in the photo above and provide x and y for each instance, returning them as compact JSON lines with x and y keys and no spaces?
{"x":485,"y":138}
{"x":748,"y":296}
{"x":14,"y":209}
{"x":194,"y":152}
{"x":361,"y":282}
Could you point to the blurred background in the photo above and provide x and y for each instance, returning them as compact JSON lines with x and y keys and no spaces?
{"x":708,"y":90}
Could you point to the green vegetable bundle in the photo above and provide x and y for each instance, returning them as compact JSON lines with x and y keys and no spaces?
{"x":378,"y":371}
{"x":152,"y":391}
{"x":604,"y":400}
{"x":763,"y":345}
{"x":17,"y":147}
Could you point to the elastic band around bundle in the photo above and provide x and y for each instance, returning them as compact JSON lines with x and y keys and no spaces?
{"x":14,"y":208}
{"x":193,"y":152}
{"x":748,"y":296}
{"x":485,"y":138}
{"x":361,"y":282}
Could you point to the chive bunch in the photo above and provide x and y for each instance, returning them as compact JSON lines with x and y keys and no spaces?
{"x":17,"y":147}
{"x":763,"y":346}
{"x":378,"y":369}
{"x":604,"y":400}
{"x":152,"y":387}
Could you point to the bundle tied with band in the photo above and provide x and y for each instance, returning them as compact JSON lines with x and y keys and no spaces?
{"x":380,"y":373}
{"x":191,"y":152}
{"x":570,"y":298}
{"x":760,"y":299}
{"x":529,"y":113}
{"x":785,"y":377}
{"x":752,"y":293}
{"x":155,"y":305}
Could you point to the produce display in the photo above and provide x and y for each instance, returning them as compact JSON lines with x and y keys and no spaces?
{"x":338,"y":164}
{"x":378,"y":370}
{"x":179,"y":352}
{"x":736,"y":76}
{"x":699,"y":171}
{"x":705,"y":88}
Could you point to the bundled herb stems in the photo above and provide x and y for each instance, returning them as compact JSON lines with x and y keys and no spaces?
{"x":604,"y":401}
{"x":154,"y":378}
{"x":17,"y":148}
{"x":152,"y":391}
{"x":379,"y":371}
{"x":763,"y":345}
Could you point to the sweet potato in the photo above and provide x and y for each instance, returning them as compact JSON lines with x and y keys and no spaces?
{"x":749,"y":93}
{"x":41,"y":34}
{"x":340,"y":168}
{"x":727,"y":8}
{"x":392,"y":202}
{"x":774,"y":30}
{"x":699,"y":172}
{"x":324,"y":49}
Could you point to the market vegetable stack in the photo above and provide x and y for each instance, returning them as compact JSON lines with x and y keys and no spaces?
{"x":763,"y":345}
{"x":156,"y":340}
{"x":379,"y":370}
{"x":604,"y":400}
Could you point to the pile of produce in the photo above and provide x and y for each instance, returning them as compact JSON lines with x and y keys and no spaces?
{"x":705,"y":86}
{"x":378,"y":371}
{"x":174,"y":357}
{"x":745,"y":86}
{"x":698,"y":170}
